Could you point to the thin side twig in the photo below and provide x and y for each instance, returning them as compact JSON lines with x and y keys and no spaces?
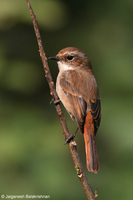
{"x":72,"y":145}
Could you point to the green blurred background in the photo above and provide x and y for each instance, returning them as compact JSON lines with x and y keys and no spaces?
{"x":33,"y":157}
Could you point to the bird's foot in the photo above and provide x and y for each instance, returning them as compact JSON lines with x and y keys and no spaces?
{"x":55,"y":102}
{"x":72,"y":136}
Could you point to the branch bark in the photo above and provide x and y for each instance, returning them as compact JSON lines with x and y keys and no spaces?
{"x":72,"y":145}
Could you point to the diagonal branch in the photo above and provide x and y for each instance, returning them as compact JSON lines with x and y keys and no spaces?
{"x":72,"y":145}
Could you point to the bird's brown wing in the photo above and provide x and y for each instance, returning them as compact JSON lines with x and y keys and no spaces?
{"x":96,"y":113}
{"x":72,"y":91}
{"x":74,"y":84}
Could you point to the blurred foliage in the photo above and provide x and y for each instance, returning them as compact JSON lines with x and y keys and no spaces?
{"x":33,"y":158}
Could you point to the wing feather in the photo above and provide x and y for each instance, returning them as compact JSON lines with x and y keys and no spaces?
{"x":96,"y":113}
{"x":75,"y":92}
{"x":78,"y":104}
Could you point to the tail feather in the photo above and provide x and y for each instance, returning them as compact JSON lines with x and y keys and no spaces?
{"x":91,"y":153}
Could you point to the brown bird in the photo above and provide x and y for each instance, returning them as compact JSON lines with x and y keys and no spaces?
{"x":77,"y":89}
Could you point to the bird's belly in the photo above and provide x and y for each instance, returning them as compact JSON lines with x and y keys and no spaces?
{"x":65,"y":99}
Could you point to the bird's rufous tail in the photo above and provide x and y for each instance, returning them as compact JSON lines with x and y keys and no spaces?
{"x":90,"y":145}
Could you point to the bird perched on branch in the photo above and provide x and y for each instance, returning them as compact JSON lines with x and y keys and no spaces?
{"x":77,"y":89}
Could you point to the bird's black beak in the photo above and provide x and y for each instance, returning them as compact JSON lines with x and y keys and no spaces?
{"x":54,"y":58}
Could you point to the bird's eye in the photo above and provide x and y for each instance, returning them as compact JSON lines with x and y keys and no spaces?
{"x":69,"y":57}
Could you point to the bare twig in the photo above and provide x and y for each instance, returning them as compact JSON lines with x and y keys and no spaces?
{"x":72,"y":145}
